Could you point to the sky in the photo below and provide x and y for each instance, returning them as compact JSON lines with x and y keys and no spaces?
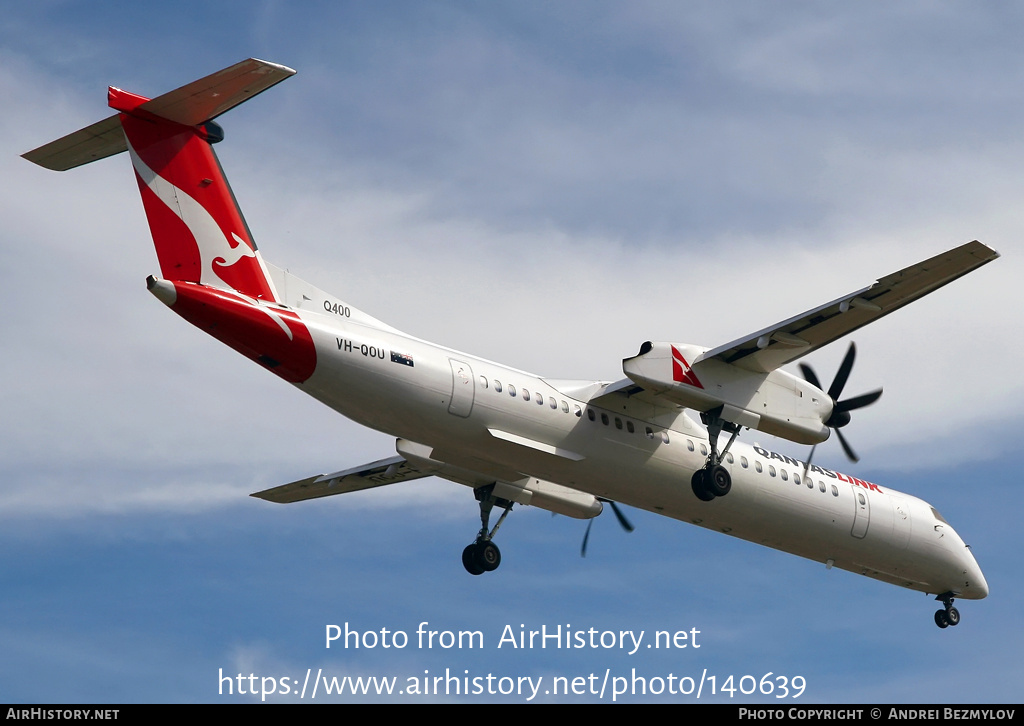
{"x":543,"y":184}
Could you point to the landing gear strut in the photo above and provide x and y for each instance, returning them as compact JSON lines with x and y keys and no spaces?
{"x":714,"y":479}
{"x":483,"y":555}
{"x":950,"y":615}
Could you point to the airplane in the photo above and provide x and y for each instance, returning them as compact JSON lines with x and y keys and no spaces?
{"x":567,"y":446}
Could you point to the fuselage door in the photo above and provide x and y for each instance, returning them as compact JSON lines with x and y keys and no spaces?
{"x":861,"y":512}
{"x":900,"y":522}
{"x":462,"y":389}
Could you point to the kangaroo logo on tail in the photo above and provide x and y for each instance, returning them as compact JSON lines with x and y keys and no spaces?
{"x":214,"y":276}
{"x":216,"y":252}
{"x":198,"y":229}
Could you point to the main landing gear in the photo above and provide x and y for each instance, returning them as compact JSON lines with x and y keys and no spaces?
{"x":714,"y":479}
{"x":949,"y":616}
{"x":483,"y":555}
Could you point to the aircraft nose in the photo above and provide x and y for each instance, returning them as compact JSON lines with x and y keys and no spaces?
{"x":976,"y":584}
{"x":980,"y":584}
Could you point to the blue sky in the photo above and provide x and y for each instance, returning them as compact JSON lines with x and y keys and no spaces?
{"x":547,"y":185}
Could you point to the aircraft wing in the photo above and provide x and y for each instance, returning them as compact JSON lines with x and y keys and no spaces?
{"x":417,"y":461}
{"x":784,"y":342}
{"x":386,"y":471}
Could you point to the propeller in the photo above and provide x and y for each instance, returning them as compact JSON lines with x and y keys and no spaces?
{"x":840,"y":409}
{"x":618,"y":515}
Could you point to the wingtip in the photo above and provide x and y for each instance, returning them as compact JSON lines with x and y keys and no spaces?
{"x":989,"y":253}
{"x":276,"y":66}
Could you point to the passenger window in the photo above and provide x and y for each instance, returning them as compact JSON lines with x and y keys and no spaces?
{"x":590,"y":414}
{"x":650,"y":432}
{"x":483,"y":381}
{"x":771,"y":471}
{"x":618,"y":423}
{"x":565,"y":407}
{"x":554,"y":404}
{"x":511,"y":390}
{"x":526,"y":395}
{"x":728,"y":457}
{"x":497,"y":386}
{"x":604,"y":419}
{"x":540,"y":400}
{"x":579,"y":412}
{"x":821,"y":486}
{"x":629,"y":427}
{"x":664,"y":437}
{"x":810,"y":484}
{"x":796,"y":478}
{"x":757,"y":466}
{"x":703,"y":450}
{"x":784,"y":475}
{"x":689,"y":444}
{"x":835,"y":490}
{"x":743,"y":462}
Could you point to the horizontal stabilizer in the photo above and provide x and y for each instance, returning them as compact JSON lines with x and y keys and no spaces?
{"x":102,"y":139}
{"x":191,"y":105}
{"x":207,"y":98}
{"x":386,"y":471}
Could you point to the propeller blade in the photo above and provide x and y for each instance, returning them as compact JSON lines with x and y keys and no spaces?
{"x":846,"y":447}
{"x":839,"y":382}
{"x":807,"y":464}
{"x":620,"y":516}
{"x":865,"y":399}
{"x":583,"y":549}
{"x":809,"y":376}
{"x":840,"y":415}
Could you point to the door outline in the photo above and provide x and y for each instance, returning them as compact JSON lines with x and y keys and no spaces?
{"x":463,"y":388}
{"x":861,"y":512}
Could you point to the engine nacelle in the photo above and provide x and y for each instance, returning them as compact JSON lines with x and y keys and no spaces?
{"x":777,"y":403}
{"x":550,"y":496}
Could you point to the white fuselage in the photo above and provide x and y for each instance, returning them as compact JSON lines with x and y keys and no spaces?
{"x":514,"y":436}
{"x":482,"y":416}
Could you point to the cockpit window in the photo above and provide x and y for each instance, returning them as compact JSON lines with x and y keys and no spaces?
{"x":938,"y":516}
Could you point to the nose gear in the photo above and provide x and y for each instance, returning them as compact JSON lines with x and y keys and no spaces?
{"x":949,"y":616}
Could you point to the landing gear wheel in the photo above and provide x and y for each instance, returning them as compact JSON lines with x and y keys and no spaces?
{"x":953,"y":616}
{"x":700,"y":490}
{"x":487,"y":556}
{"x":469,"y":560}
{"x":948,"y":615}
{"x":483,"y":555}
{"x":718,"y":481}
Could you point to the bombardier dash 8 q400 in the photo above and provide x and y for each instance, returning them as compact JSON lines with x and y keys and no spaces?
{"x":513,"y":437}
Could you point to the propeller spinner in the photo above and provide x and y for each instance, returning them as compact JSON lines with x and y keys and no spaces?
{"x":840,"y":409}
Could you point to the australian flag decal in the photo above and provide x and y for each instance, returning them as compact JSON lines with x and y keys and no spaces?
{"x":405,"y":360}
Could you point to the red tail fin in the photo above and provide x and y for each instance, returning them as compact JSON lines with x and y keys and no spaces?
{"x":198,"y":229}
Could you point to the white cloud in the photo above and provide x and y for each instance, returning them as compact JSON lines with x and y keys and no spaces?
{"x":484,"y":262}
